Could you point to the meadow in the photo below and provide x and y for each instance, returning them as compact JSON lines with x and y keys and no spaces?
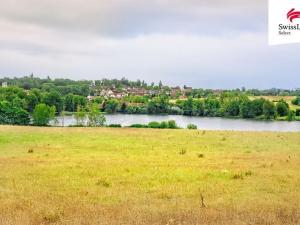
{"x":148,"y":176}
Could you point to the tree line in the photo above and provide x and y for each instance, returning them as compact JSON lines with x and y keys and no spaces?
{"x":40,"y":106}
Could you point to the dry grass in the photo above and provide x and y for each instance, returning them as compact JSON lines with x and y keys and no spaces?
{"x":140,"y":176}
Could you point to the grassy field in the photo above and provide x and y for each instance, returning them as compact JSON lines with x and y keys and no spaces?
{"x":143,"y":176}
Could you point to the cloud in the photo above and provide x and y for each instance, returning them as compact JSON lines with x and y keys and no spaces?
{"x":211,"y":44}
{"x":127,"y":18}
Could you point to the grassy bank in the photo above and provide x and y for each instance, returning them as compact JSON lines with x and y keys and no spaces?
{"x":146,"y":176}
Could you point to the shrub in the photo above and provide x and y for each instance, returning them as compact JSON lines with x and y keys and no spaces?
{"x":154,"y":124}
{"x":114,"y":125}
{"x":164,"y":125}
{"x":139,"y":125}
{"x":192,"y":127}
{"x":172,"y":124}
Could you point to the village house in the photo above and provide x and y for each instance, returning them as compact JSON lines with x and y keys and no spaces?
{"x":175,"y":91}
{"x":107,"y":93}
{"x":187,"y":90}
{"x":4,"y":84}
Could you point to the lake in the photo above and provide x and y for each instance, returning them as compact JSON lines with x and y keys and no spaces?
{"x":203,"y":123}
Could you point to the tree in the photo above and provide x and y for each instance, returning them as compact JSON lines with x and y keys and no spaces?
{"x":31,"y":100}
{"x":282,"y":108}
{"x":96,"y":118}
{"x":158,"y":105}
{"x":291,"y":115}
{"x":69,"y":103}
{"x":53,"y":98}
{"x":269,"y":110}
{"x":211,"y":107}
{"x":257,"y":106}
{"x":232,"y":108}
{"x":14,"y":115}
{"x":111,"y":106}
{"x":43,"y":114}
{"x":160,"y":84}
{"x":80,"y":116}
{"x":246,"y":109}
{"x":188,"y":107}
{"x":296,"y":101}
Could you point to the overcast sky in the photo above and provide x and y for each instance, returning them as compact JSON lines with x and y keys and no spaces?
{"x":201,"y":43}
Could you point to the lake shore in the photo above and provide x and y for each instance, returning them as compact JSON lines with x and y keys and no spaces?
{"x":203,"y":123}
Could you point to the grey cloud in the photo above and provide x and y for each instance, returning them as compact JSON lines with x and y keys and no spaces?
{"x":195,"y":42}
{"x":133,"y":17}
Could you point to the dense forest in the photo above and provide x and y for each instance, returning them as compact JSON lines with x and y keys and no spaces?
{"x":32,"y":100}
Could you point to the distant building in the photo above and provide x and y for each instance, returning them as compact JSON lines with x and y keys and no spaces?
{"x":187,"y":90}
{"x":4,"y":84}
{"x":90,"y":98}
{"x":175,"y":91}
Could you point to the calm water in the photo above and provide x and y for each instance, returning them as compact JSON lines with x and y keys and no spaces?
{"x":202,"y":122}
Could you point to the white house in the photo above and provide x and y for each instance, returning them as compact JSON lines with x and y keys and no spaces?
{"x":4,"y":84}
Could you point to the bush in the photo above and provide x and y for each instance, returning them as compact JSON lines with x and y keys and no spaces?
{"x":114,"y":125}
{"x":154,"y":124}
{"x":297,"y":112}
{"x":192,"y":127}
{"x":164,"y":125}
{"x":172,"y":124}
{"x":139,"y":125}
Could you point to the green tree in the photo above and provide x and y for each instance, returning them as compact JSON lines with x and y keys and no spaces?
{"x":211,"y":107}
{"x":80,"y":116}
{"x":31,"y":100}
{"x":158,"y":105}
{"x":246,"y":109}
{"x":95,"y":117}
{"x":43,"y":114}
{"x":188,"y":107}
{"x":291,"y":115}
{"x":296,"y":101}
{"x":269,"y":110}
{"x":111,"y":106}
{"x":257,"y":106}
{"x":14,"y":115}
{"x":282,"y":108}
{"x":53,"y":98}
{"x":232,"y":107}
{"x":69,"y":103}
